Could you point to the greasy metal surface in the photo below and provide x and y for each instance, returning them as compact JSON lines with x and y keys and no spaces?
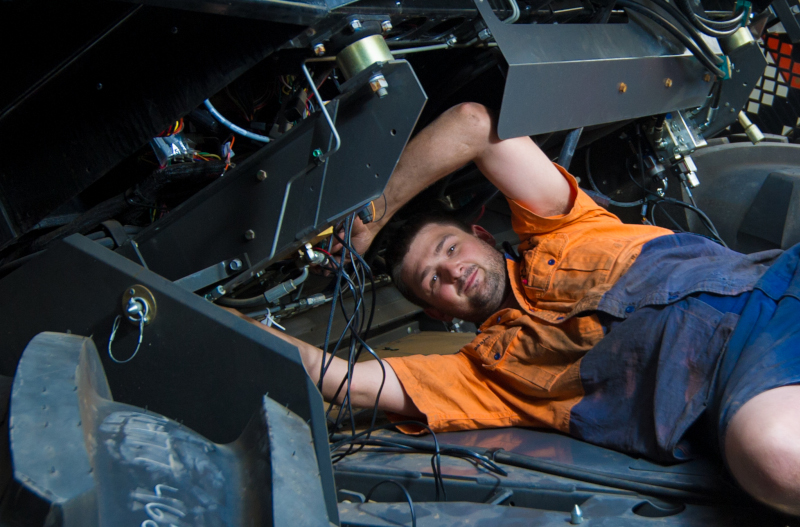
{"x":76,"y":286}
{"x":210,"y":226}
{"x":46,"y":426}
{"x":581,"y":67}
{"x":731,"y":176}
{"x":608,"y":511}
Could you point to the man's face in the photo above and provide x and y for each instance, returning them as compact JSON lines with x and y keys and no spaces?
{"x":456,"y":273}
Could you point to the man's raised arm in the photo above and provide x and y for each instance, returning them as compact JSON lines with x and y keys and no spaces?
{"x":465,"y":133}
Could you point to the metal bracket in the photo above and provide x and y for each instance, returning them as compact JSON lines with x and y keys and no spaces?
{"x":213,"y":274}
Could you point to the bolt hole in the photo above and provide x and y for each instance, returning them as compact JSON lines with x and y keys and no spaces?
{"x":393,"y":131}
{"x":512,"y":504}
{"x":377,"y":175}
{"x":369,"y":165}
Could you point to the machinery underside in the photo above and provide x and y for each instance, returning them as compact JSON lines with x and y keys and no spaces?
{"x":163,"y":158}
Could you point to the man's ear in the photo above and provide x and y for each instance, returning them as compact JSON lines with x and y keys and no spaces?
{"x":437,"y":315}
{"x":483,"y":234}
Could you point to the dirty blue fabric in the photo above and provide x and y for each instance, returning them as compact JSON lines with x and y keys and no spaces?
{"x":764,"y":350}
{"x":668,"y":320}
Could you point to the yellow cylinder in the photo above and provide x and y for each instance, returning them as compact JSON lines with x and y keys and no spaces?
{"x":362,"y":54}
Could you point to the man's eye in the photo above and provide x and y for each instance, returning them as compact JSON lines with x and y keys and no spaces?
{"x":434,"y":278}
{"x":452,"y":248}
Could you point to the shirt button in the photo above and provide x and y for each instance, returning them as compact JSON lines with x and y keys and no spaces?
{"x":551,"y":262}
{"x":629,"y":309}
{"x":496,"y":356}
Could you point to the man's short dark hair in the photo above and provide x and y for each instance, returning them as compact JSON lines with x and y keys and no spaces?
{"x":400,"y":243}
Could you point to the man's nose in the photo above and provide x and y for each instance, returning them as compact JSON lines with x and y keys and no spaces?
{"x":452,"y":271}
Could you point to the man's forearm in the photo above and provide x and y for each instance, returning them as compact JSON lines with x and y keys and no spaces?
{"x":454,"y":139}
{"x":368,"y":378}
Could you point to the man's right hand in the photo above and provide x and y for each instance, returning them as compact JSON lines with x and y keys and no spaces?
{"x":360,"y":238}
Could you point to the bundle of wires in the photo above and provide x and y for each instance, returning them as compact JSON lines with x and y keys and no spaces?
{"x":351,"y":275}
{"x":176,"y":128}
{"x":653,"y":200}
{"x":685,"y":25}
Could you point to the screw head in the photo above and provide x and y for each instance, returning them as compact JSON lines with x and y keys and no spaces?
{"x":174,"y":30}
{"x":261,"y":175}
{"x":319,"y":49}
{"x":386,"y":26}
{"x":249,"y":234}
{"x":219,"y":289}
{"x":484,"y":34}
{"x":99,"y":86}
{"x":355,"y":25}
{"x":707,"y":77}
{"x":623,"y":87}
{"x":235,"y":264}
{"x":316,"y":153}
{"x":668,"y":83}
{"x":451,"y":41}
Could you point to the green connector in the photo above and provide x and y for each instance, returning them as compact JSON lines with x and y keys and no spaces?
{"x":746,"y":7}
{"x":726,"y":67}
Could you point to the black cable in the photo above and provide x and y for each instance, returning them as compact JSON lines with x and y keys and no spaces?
{"x":686,"y":7}
{"x":690,"y":28}
{"x":436,"y":459}
{"x":594,"y":186}
{"x":408,"y":498}
{"x":685,"y":40}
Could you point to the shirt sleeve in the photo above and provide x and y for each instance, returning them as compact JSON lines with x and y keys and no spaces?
{"x":454,"y":394}
{"x":527,"y":224}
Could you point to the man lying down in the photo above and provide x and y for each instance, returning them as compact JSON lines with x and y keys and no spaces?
{"x":620,"y":335}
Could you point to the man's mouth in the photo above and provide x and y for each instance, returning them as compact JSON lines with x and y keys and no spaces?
{"x":469,"y":279}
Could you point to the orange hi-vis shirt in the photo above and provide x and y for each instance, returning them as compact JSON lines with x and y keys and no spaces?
{"x":523,"y":367}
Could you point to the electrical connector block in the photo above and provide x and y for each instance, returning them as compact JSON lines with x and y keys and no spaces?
{"x":173,"y":148}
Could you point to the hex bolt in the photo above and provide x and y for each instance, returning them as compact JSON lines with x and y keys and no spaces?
{"x":235,"y":264}
{"x":249,"y":234}
{"x":220,"y":290}
{"x":451,"y":41}
{"x":668,"y":83}
{"x":386,"y":26}
{"x":319,"y":49}
{"x":355,"y":25}
{"x":484,"y":34}
{"x":261,"y":175}
{"x":379,"y":85}
{"x":623,"y":87}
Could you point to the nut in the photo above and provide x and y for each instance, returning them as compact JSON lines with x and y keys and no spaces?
{"x":235,"y":264}
{"x":378,"y":84}
{"x":484,"y":34}
{"x":355,"y":25}
{"x":623,"y":87}
{"x":249,"y":234}
{"x":319,"y":49}
{"x":261,"y":175}
{"x":386,"y":26}
{"x":451,"y":41}
{"x":668,"y":83}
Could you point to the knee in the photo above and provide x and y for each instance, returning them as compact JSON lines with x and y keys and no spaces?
{"x":474,"y":115}
{"x":764,"y":457}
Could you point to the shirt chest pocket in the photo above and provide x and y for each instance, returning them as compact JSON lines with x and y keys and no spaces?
{"x":511,"y":354}
{"x":540,"y":263}
{"x":565,"y":273}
